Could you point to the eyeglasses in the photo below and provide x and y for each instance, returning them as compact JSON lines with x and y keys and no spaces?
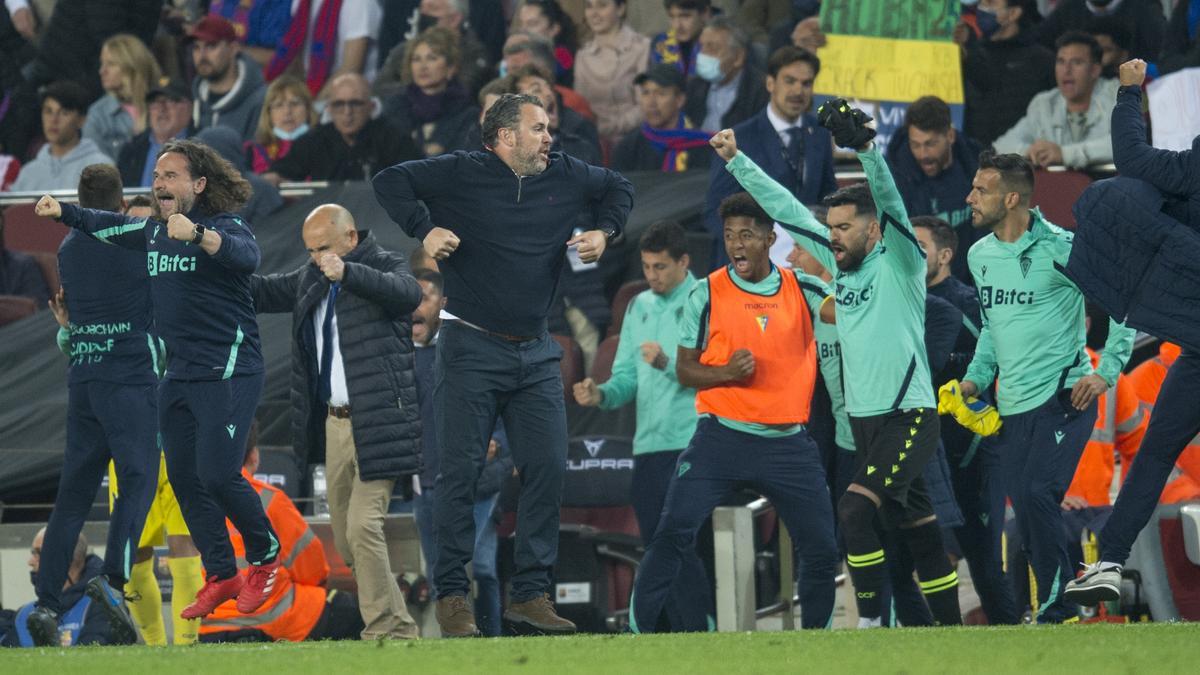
{"x":353,"y":105}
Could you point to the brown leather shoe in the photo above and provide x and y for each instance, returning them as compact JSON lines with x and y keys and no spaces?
{"x":537,"y":616}
{"x":456,"y":618}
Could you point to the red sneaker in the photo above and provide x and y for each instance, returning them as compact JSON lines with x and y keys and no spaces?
{"x":214,"y":592}
{"x":260,"y":582}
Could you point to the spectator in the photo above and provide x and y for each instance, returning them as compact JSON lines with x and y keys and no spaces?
{"x":523,"y":49}
{"x":354,"y":392}
{"x":783,"y":139}
{"x":1145,"y":17}
{"x":127,"y":72}
{"x":667,"y":141}
{"x":229,"y":86}
{"x":474,"y":69}
{"x":261,"y":24}
{"x":681,"y":43}
{"x":287,"y":114}
{"x":351,"y":147}
{"x":1116,"y":39}
{"x":1181,"y":49}
{"x":83,"y":622}
{"x":434,"y":109}
{"x":299,"y":607}
{"x":571,"y":132}
{"x":349,"y":36}
{"x":933,"y":166}
{"x":727,"y":89}
{"x":20,"y":273}
{"x":1068,"y":125}
{"x":169,"y":112}
{"x":264,"y":196}
{"x":547,"y":19}
{"x":772,"y":22}
{"x":1004,"y":68}
{"x":606,"y":65}
{"x":61,"y":160}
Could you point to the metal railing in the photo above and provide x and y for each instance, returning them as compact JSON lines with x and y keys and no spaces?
{"x":300,"y":189}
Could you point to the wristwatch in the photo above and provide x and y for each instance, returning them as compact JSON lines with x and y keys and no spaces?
{"x":609,"y":234}
{"x":198,"y":235}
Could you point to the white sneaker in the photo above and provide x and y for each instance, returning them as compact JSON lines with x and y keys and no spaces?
{"x":1100,"y":582}
{"x":864,"y":622}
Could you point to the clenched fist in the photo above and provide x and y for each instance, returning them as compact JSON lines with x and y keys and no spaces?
{"x":725,"y":143}
{"x":48,"y":207}
{"x":1132,"y":73}
{"x":440,"y":243}
{"x":332,"y":266}
{"x":587,"y":393}
{"x":653,"y":354}
{"x":741,"y":365}
{"x":181,"y":228}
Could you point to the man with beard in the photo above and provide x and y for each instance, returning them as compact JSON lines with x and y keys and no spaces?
{"x":229,"y":86}
{"x":498,"y":222}
{"x":200,"y":261}
{"x":1033,"y":341}
{"x":880,"y":289}
{"x":169,"y":117}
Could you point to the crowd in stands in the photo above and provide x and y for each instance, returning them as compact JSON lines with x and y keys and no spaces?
{"x":338,"y":90}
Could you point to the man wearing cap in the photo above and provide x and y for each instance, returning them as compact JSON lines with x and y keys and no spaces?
{"x":229,"y":86}
{"x":667,"y":141}
{"x":169,"y":116}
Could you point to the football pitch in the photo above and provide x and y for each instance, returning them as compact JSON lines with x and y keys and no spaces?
{"x":1079,"y":650}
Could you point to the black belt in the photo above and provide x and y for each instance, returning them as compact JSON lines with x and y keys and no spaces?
{"x":342,"y":412}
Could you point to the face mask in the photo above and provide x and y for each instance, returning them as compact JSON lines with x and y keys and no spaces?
{"x":503,"y":69}
{"x":290,"y":135}
{"x":708,"y":67}
{"x":987,"y":22}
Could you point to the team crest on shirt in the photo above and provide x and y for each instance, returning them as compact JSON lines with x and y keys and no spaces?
{"x":1026,"y":262}
{"x":762,"y":322}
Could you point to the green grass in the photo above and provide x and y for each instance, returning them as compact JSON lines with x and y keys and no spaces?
{"x":1078,"y":650}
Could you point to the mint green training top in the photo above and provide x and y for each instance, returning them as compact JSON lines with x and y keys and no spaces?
{"x":694,"y":329}
{"x":1034,"y":326}
{"x":880,"y":305}
{"x":829,"y":359}
{"x":666,"y":410}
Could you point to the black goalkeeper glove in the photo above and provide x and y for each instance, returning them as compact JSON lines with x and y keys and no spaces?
{"x":848,"y":125}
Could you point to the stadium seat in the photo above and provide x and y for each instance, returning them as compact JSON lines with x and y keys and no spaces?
{"x":571,"y":364}
{"x":603,"y":363}
{"x":1159,"y":566}
{"x":49,"y":264}
{"x":23,"y":231}
{"x":621,"y":300}
{"x":278,"y":466}
{"x":15,"y":307}
{"x":1055,"y":192}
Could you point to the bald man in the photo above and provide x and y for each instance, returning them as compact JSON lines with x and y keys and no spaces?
{"x":354,"y":402}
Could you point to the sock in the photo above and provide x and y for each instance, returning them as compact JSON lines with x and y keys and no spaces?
{"x":864,"y":553}
{"x":1105,"y":566}
{"x":145,"y":603}
{"x":938,"y":580}
{"x":188,"y":577}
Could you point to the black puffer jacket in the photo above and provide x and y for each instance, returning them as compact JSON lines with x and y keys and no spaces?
{"x":374,"y":320}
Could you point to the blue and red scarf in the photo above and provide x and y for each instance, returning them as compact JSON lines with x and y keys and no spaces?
{"x":674,"y":143}
{"x":324,"y":43}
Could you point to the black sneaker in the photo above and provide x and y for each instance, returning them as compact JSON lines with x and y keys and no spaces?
{"x":42,"y":623}
{"x":124,"y":631}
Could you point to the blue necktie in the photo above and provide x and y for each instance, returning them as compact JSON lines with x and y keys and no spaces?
{"x":795,"y":151}
{"x":326,"y":388}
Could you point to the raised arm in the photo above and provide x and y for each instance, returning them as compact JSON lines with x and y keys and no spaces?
{"x":233,"y":246}
{"x":776,"y":200}
{"x":897,"y":231}
{"x":108,"y":227}
{"x":1166,"y":170}
{"x":400,"y":190}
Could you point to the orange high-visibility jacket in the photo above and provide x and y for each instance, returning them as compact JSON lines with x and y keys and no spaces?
{"x":298,"y":598}
{"x":1120,"y":425}
{"x":1146,"y":381}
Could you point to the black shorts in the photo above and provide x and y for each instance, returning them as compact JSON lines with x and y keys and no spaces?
{"x":891,"y":452}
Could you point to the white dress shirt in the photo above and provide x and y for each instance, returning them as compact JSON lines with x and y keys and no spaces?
{"x":338,"y":394}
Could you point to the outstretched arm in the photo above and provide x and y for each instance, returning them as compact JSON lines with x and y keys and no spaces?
{"x":108,"y":227}
{"x":1166,"y":170}
{"x":897,"y":231}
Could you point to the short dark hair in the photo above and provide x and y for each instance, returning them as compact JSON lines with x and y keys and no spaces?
{"x":504,"y":114}
{"x":539,"y":49}
{"x":251,"y":440}
{"x":742,"y":205}
{"x":789,"y":54}
{"x":664,"y":235}
{"x":698,"y":5}
{"x":69,"y":94}
{"x":943,"y":235}
{"x":929,"y":114}
{"x":226,"y":191}
{"x":432,"y":276}
{"x":1016,"y":172}
{"x":556,"y":15}
{"x":138,"y":201}
{"x":1078,"y":37}
{"x":1117,"y":29}
{"x":100,"y":187}
{"x":858,"y":195}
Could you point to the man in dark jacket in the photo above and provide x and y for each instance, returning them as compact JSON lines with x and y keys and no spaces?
{"x":1145,"y":17}
{"x":168,"y":117}
{"x":667,"y":140}
{"x":498,"y":223}
{"x":353,"y":395}
{"x":1176,"y":419}
{"x":933,"y":166}
{"x":1004,"y":70}
{"x":784,"y":139}
{"x":728,"y":87}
